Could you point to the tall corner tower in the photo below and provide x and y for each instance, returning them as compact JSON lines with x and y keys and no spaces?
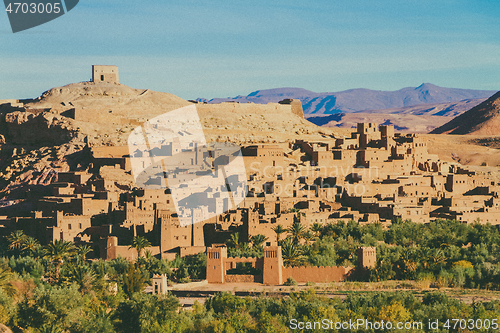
{"x":273,"y":266}
{"x":216,"y":270}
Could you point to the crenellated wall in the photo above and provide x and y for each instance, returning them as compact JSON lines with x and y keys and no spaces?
{"x":316,"y":274}
{"x":274,"y":273}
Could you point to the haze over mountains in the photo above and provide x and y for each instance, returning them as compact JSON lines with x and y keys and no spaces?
{"x":361,"y":100}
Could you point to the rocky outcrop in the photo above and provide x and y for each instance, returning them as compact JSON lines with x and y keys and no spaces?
{"x":44,"y":128}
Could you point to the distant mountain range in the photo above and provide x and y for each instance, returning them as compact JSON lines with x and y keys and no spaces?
{"x":364,"y":100}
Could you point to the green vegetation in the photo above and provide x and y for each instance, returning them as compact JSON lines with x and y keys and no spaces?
{"x":55,"y":288}
{"x":445,"y":253}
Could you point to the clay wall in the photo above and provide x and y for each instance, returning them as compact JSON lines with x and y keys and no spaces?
{"x":267,"y":160}
{"x":403,"y":166}
{"x":274,"y":273}
{"x":491,"y":217}
{"x":245,"y":108}
{"x":128,"y":253}
{"x":173,"y":235}
{"x":347,"y":143}
{"x":315,"y":217}
{"x":458,"y":184}
{"x":74,"y":177}
{"x":62,"y":189}
{"x":191,"y":250}
{"x":474,"y":202}
{"x":230,"y":278}
{"x":383,"y":190}
{"x":111,"y":250}
{"x":417,"y":191}
{"x":315,"y":274}
{"x":231,"y":262}
{"x":110,"y":152}
{"x":417,"y":214}
{"x":264,"y":226}
{"x":86,"y":206}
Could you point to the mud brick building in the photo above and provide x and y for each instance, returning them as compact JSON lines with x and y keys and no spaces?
{"x":373,"y":175}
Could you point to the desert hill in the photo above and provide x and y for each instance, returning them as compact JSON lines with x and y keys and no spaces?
{"x":358,"y":100}
{"x":49,"y":134}
{"x":102,"y":95}
{"x":483,"y":119}
{"x":107,"y":112}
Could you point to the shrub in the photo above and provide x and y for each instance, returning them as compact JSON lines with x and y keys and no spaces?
{"x":59,"y":306}
{"x":424,"y":280}
{"x":290,"y":282}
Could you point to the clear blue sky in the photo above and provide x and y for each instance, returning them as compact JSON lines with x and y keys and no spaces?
{"x":195,"y":48}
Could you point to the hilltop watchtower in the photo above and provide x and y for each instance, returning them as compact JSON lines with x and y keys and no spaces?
{"x":105,"y":73}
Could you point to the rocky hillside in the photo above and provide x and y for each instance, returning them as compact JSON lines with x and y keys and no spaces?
{"x":483,"y":119}
{"x":49,"y":134}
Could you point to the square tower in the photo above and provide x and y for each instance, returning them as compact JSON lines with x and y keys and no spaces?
{"x":216,"y":264}
{"x":273,"y":266}
{"x":367,"y":257}
{"x":105,"y":73}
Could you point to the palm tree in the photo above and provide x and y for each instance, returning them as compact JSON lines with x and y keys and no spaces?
{"x":316,"y":228}
{"x":409,"y":263}
{"x":16,"y":240}
{"x":234,"y":241}
{"x":297,"y":231}
{"x":291,"y":252}
{"x":257,"y":240}
{"x":39,"y":252}
{"x":307,"y":236}
{"x":30,"y":244}
{"x":437,"y":258}
{"x":139,"y":243}
{"x":83,"y":250}
{"x":279,"y":230}
{"x":50,"y":328}
{"x":58,"y":251}
{"x":5,"y":280}
{"x":83,"y":276}
{"x":424,"y":255}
